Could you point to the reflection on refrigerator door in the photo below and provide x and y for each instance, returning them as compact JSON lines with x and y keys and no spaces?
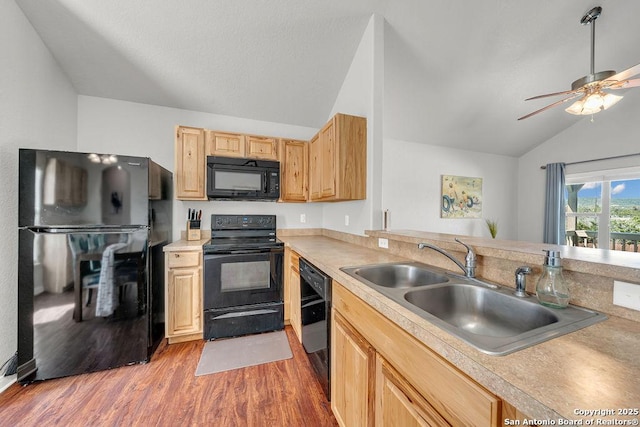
{"x":92,"y":296}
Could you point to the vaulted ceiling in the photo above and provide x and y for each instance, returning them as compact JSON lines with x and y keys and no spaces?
{"x":456,"y":72}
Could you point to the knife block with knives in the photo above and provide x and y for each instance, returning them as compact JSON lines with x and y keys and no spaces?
{"x":193,"y":224}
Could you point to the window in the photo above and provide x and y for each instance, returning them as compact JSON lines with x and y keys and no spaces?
{"x":603,"y":209}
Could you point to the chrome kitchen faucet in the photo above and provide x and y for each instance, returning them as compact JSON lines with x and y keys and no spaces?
{"x":470,"y":260}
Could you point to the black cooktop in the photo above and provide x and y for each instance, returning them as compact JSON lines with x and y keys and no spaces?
{"x":232,"y":233}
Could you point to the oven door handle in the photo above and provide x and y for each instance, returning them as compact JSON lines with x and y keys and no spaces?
{"x":243,"y":252}
{"x":250,"y":251}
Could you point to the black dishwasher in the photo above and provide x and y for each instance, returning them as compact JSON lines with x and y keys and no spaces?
{"x":315,"y":313}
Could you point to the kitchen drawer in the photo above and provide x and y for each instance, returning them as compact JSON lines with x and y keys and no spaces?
{"x":184,"y":259}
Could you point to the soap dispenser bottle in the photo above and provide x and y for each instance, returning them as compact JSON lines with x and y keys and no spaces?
{"x":552,"y":289}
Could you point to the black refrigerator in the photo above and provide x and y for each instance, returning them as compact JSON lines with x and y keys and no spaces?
{"x":90,"y":274}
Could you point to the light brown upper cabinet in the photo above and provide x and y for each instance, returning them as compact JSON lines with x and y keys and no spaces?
{"x":239,"y":145}
{"x":224,"y":144}
{"x":331,"y":167}
{"x":183,"y":296}
{"x":261,"y":147}
{"x":315,"y":165}
{"x":294,"y":159}
{"x":190,"y":163}
{"x":338,"y":160}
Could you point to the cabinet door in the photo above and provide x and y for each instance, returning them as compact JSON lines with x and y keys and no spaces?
{"x":294,"y":164}
{"x":352,"y":375}
{"x":338,"y":160}
{"x":509,"y":412}
{"x":397,"y":403}
{"x":291,"y":289}
{"x":184,"y":308}
{"x":328,"y":156}
{"x":295,"y":313}
{"x":190,"y":163}
{"x":261,"y":147}
{"x":350,"y":133}
{"x":225,"y":144}
{"x":315,"y":168}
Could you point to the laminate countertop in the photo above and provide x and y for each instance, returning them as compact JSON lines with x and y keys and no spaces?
{"x":592,"y":369}
{"x":185,"y":245}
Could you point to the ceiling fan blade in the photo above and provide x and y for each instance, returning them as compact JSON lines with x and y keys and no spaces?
{"x":625,"y":84}
{"x":626,"y":74}
{"x":549,"y":106}
{"x":566,"y":92}
{"x":632,"y":83}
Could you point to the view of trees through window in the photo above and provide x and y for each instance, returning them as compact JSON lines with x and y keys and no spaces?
{"x":604,"y":211}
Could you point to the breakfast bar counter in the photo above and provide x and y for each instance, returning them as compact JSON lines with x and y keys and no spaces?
{"x":570,"y":377}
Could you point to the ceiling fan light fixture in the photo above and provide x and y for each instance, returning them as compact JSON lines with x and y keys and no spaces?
{"x":593,"y":103}
{"x":590,"y":89}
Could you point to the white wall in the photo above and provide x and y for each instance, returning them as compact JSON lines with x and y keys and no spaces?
{"x":361,"y":95}
{"x":107,"y":125}
{"x":413,"y":191}
{"x":37,"y":110}
{"x":405,"y":177}
{"x":613,"y":132}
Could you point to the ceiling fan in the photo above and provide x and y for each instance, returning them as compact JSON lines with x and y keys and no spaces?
{"x":592,"y":88}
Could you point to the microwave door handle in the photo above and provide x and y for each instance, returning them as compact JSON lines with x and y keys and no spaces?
{"x":265,"y":179}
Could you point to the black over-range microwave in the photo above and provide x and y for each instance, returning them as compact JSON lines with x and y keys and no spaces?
{"x":232,"y":178}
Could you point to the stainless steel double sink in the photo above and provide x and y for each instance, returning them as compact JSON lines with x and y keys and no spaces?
{"x":487,"y":316}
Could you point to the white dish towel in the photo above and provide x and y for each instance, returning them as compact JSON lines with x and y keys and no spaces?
{"x":107,"y":300}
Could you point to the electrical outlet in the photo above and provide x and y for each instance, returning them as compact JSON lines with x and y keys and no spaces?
{"x":303,"y":218}
{"x":346,"y":220}
{"x":626,"y":295}
{"x":383,"y":243}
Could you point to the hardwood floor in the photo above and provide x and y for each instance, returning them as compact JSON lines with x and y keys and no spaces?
{"x":165,"y":392}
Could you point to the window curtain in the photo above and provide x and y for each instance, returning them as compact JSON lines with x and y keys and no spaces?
{"x":554,"y":220}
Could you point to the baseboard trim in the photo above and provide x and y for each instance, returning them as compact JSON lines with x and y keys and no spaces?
{"x":6,"y":382}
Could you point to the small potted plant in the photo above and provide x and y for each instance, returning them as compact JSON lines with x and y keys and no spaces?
{"x":493,"y":227}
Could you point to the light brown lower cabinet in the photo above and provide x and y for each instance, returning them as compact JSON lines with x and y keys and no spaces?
{"x":183,"y":296}
{"x":352,"y":375}
{"x":292,"y":292}
{"x":382,"y":376}
{"x":398,"y":403}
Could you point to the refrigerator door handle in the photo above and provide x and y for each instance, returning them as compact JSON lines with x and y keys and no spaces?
{"x":103,"y":230}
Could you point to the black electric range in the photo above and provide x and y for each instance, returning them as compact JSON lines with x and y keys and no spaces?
{"x":243,"y":276}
